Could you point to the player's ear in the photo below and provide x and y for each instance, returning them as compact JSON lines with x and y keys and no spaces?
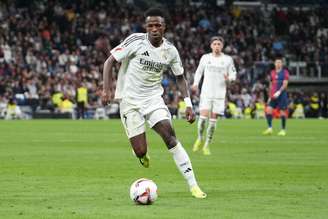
{"x":163,"y":23}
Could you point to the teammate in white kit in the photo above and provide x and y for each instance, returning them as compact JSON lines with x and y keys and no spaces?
{"x":218,"y":70}
{"x":144,"y":57}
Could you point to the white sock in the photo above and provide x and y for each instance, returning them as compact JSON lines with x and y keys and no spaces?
{"x":183,"y":163}
{"x":210,"y":131}
{"x":201,"y":126}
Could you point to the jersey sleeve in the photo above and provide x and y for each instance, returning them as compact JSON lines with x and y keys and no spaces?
{"x":200,"y":71}
{"x":232,"y":73}
{"x":126,"y":48}
{"x":176,"y":64}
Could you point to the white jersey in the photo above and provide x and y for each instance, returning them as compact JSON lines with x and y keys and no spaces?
{"x":214,"y":68}
{"x":142,"y":67}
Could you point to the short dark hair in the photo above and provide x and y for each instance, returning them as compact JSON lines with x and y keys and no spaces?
{"x":155,"y":12}
{"x":279,"y":56}
{"x":219,"y":38}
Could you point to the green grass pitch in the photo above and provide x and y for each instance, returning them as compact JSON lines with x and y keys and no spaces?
{"x":83,"y":169}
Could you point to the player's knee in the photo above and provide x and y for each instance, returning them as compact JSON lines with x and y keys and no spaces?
{"x":282,"y":113}
{"x":269,"y":110}
{"x":204,"y":114}
{"x":212,"y":122}
{"x":202,"y":119}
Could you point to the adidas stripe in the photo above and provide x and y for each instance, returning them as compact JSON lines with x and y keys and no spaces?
{"x":132,"y":39}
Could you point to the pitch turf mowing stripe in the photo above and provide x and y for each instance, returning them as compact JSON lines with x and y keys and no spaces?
{"x":83,"y":169}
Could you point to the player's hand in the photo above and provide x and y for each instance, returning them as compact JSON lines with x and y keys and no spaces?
{"x":227,"y":80}
{"x":277,"y":94}
{"x":105,"y":97}
{"x":190,"y":115}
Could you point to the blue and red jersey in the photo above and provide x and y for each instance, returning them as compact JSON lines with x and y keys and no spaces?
{"x":277,"y":79}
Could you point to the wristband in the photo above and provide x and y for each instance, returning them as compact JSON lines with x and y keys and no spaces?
{"x":187,"y":100}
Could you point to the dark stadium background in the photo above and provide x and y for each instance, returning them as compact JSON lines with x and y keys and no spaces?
{"x":47,"y":48}
{"x":74,"y":169}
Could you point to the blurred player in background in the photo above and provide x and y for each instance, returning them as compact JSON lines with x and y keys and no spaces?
{"x":144,"y":57}
{"x":278,"y":97}
{"x":218,"y":70}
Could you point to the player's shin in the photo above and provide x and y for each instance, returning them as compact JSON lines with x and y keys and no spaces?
{"x":200,"y":130}
{"x":201,"y":127}
{"x":210,"y":132}
{"x":183,"y":163}
{"x":269,"y":120}
{"x":283,"y":122}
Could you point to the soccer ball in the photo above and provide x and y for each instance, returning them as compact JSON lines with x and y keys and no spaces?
{"x":143,"y":191}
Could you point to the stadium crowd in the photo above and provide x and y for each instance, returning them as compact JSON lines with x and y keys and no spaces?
{"x":47,"y":52}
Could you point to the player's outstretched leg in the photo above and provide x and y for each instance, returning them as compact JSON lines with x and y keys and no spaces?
{"x":180,"y":156}
{"x":200,"y":129}
{"x":183,"y":163}
{"x":209,"y":137}
{"x":139,"y":146}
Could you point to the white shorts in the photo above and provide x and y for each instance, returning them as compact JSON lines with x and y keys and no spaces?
{"x":134,"y":117}
{"x":214,"y":105}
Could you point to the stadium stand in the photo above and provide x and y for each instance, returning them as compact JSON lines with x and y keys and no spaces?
{"x":47,"y":50}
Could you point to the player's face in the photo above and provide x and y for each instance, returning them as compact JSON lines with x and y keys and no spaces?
{"x":216,"y":46}
{"x":155,"y":27}
{"x":278,"y":64}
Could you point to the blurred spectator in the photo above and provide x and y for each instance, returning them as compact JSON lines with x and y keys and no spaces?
{"x":13,"y":111}
{"x":260,"y":109}
{"x":3,"y":106}
{"x":67,"y":106}
{"x":246,"y":98}
{"x":323,"y":105}
{"x":314,"y":106}
{"x":47,"y":49}
{"x":298,"y":111}
{"x":82,"y":101}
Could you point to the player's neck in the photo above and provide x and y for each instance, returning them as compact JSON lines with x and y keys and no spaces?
{"x":216,"y":54}
{"x":155,"y":43}
{"x":278,"y":69}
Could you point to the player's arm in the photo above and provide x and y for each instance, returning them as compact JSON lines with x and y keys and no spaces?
{"x":120,"y":52}
{"x":284,"y":85}
{"x":231,"y":74}
{"x":107,"y":80}
{"x":269,"y":92}
{"x":269,"y":79}
{"x":182,"y":85}
{"x":177,"y":69}
{"x":198,"y":75}
{"x":282,"y":88}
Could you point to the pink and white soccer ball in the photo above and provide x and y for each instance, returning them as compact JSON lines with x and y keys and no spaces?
{"x":143,"y":191}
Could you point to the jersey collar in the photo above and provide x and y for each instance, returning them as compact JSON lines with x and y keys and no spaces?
{"x":162,"y":45}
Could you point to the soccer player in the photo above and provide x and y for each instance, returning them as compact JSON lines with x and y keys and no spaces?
{"x":277,"y":96}
{"x":144,"y":57}
{"x":218,"y":70}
